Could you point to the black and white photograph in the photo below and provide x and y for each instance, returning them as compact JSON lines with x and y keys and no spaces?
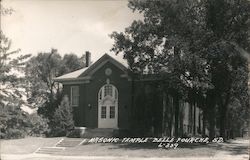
{"x":124,"y":79}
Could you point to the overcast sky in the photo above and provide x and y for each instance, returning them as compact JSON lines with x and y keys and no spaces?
{"x":68,"y":25}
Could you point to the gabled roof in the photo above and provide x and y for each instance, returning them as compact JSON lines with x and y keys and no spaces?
{"x":85,"y":73}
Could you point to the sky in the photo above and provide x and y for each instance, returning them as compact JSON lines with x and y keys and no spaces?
{"x":70,"y":26}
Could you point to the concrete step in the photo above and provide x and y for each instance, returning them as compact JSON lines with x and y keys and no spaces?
{"x":98,"y":132}
{"x":49,"y":150}
{"x":69,"y":142}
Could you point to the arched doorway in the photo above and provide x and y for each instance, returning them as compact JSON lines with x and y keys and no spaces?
{"x":108,"y":106}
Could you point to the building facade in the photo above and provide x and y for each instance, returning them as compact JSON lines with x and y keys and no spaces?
{"x":103,"y":95}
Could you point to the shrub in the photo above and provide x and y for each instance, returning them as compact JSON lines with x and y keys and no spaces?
{"x":63,"y":122}
{"x":76,"y":133}
{"x":15,"y":123}
{"x":38,"y":125}
{"x":13,"y":133}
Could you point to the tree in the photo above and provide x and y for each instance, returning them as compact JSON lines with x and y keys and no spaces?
{"x":44,"y":93}
{"x":63,"y":118}
{"x":151,"y":44}
{"x":229,"y":23}
{"x":11,"y":79}
{"x":41,"y":70}
{"x":196,"y":41}
{"x":14,"y":122}
{"x":71,"y":63}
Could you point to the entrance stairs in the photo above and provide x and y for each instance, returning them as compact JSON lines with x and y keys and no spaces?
{"x":49,"y":150}
{"x":69,"y":142}
{"x":65,"y":143}
{"x":98,"y":132}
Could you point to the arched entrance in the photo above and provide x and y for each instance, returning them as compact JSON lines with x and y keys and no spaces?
{"x":108,"y":106}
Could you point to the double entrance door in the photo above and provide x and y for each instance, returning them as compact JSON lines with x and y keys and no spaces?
{"x":108,"y":115}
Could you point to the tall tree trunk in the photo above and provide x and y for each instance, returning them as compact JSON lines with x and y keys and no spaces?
{"x":133,"y":121}
{"x":222,"y":121}
{"x":181,"y":119}
{"x":223,"y":115}
{"x":211,"y":114}
{"x":170,"y":115}
{"x":204,"y":125}
{"x":177,"y":110}
{"x":164,"y":109}
{"x":194,"y":119}
{"x":190,"y":118}
{"x":212,"y":122}
{"x":199,"y":122}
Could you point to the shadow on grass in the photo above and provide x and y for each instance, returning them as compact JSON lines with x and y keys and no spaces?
{"x":233,"y":149}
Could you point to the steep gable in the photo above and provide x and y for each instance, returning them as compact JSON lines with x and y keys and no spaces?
{"x":87,"y":72}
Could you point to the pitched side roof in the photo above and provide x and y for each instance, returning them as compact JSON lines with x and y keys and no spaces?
{"x":71,"y":75}
{"x":84,"y":73}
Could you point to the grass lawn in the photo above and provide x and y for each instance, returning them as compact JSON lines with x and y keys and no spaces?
{"x":138,"y":150}
{"x":30,"y":144}
{"x":25,"y":145}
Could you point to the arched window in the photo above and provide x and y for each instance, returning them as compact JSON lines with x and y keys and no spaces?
{"x":108,"y":90}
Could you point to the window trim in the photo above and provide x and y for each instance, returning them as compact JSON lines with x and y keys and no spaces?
{"x":108,"y":90}
{"x":103,"y":110}
{"x":71,"y":96}
{"x":113,"y":89}
{"x":112,"y":116}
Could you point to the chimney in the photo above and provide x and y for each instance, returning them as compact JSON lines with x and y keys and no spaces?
{"x":88,"y":58}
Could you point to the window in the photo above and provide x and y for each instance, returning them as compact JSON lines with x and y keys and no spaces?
{"x":75,"y":96}
{"x":112,"y":112}
{"x":108,"y":90}
{"x":103,"y":112}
